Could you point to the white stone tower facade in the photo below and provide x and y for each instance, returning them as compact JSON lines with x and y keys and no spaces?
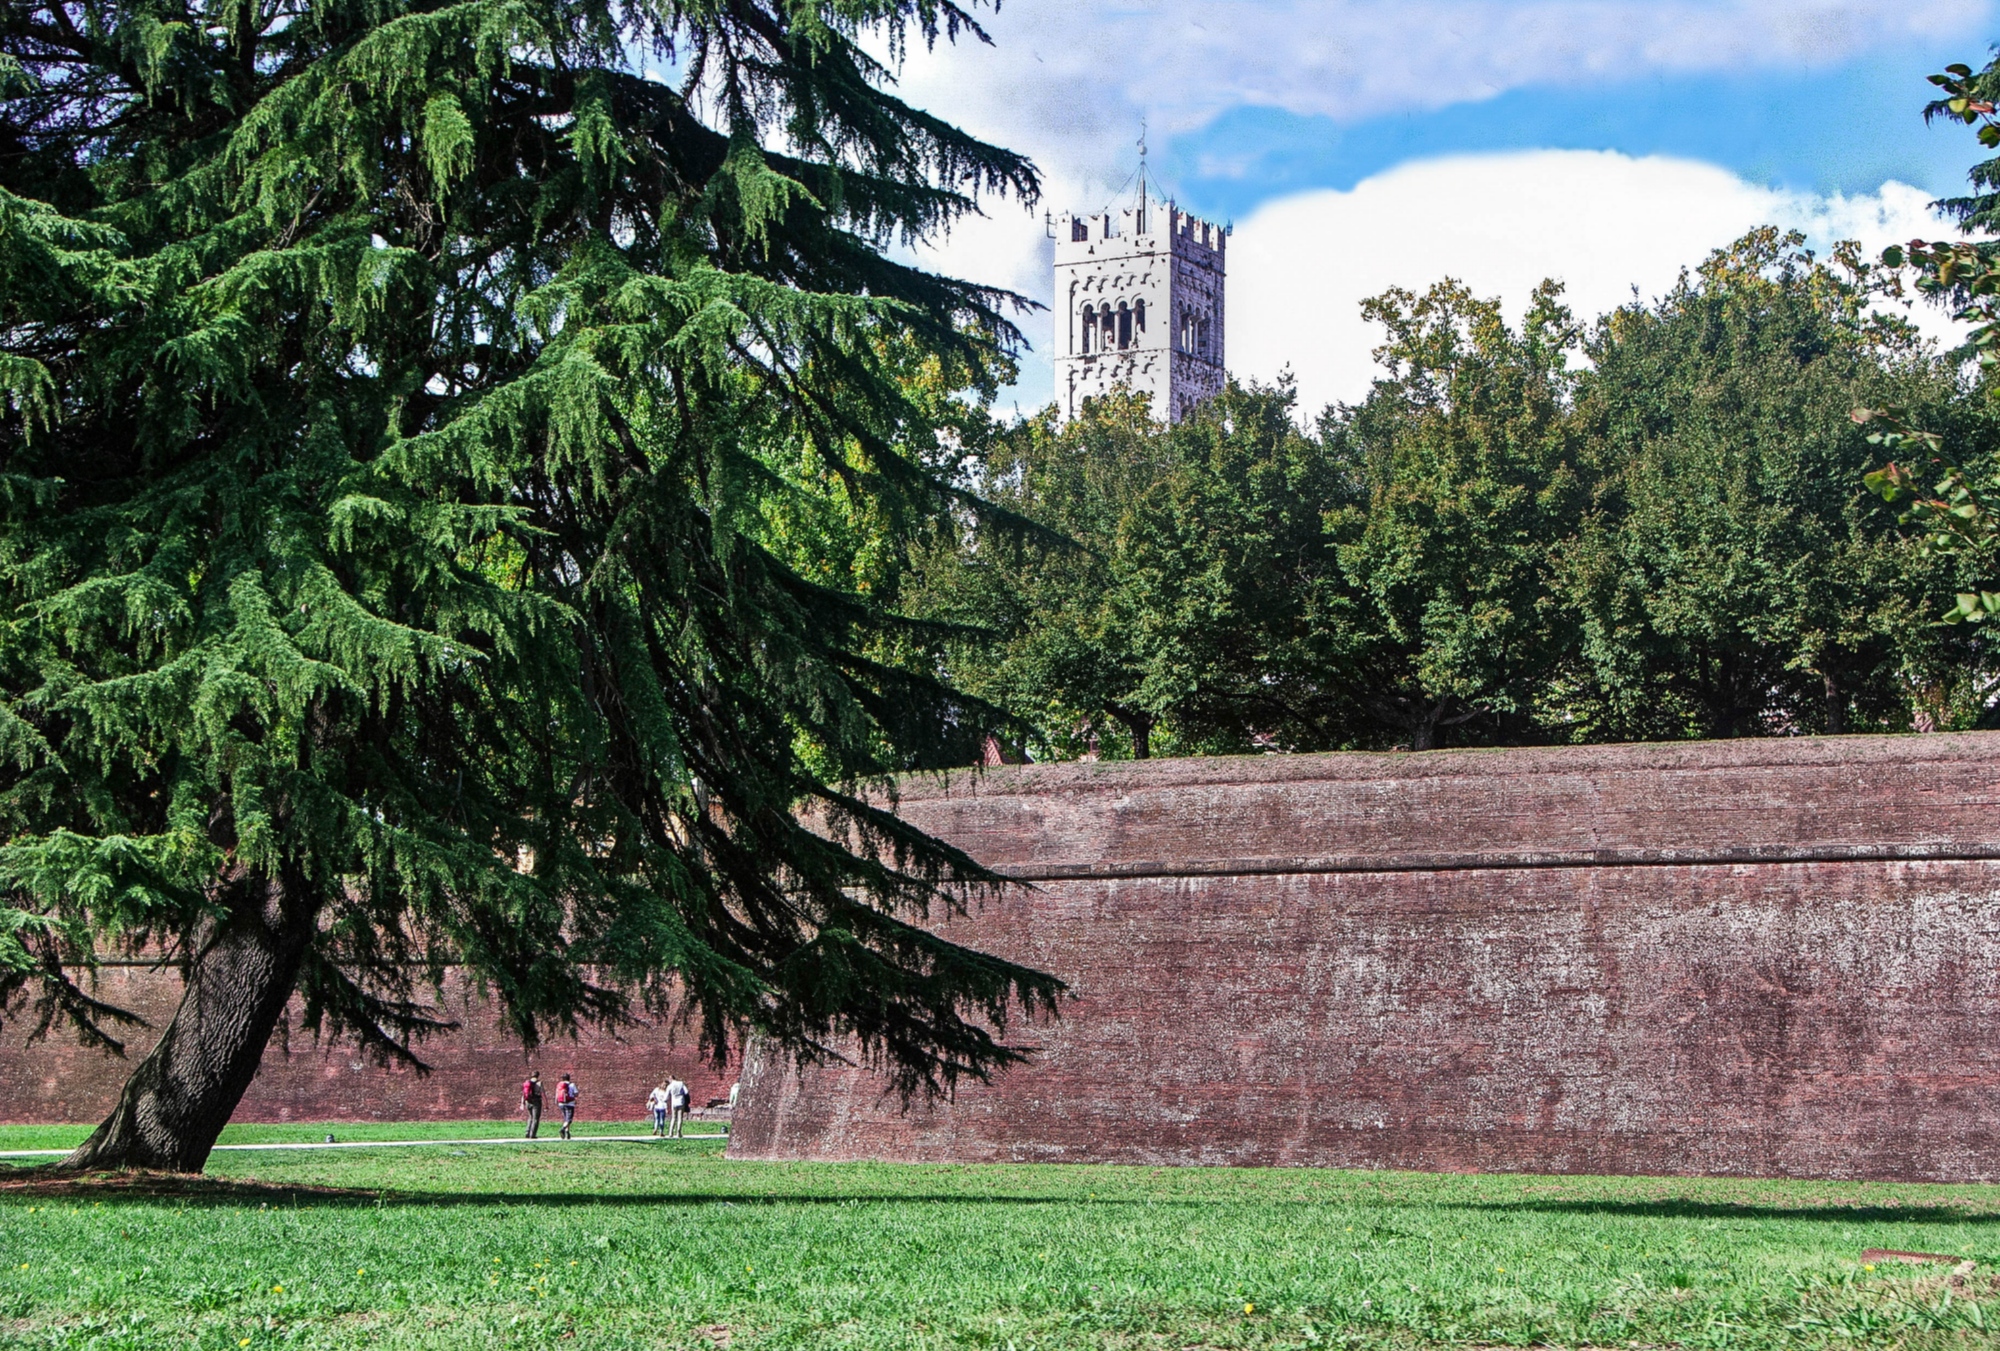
{"x":1139,"y":304}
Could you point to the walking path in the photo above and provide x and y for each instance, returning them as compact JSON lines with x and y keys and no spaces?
{"x":411,"y":1144}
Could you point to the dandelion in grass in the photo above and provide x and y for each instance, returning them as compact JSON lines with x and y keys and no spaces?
{"x":1249,"y":1308}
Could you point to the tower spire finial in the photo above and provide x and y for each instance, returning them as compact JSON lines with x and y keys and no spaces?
{"x":1142,"y":173}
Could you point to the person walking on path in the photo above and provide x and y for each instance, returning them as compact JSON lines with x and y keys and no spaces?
{"x":677,"y":1106}
{"x":531,"y":1102}
{"x":657,"y":1104}
{"x":566,"y":1096}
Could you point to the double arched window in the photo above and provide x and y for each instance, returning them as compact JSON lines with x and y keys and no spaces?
{"x":1106,"y":329}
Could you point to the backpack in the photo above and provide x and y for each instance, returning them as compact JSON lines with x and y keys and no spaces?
{"x":565,"y":1093}
{"x":530,"y":1091}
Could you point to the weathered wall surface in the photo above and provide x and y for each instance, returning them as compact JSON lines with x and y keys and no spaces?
{"x":1770,"y":958}
{"x":477,"y":1070}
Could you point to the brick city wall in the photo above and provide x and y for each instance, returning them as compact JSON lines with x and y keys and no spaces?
{"x":476,"y":1071}
{"x":1775,"y":958}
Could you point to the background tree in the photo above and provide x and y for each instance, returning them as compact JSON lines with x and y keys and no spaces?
{"x":388,"y":556}
{"x":1470,"y":478}
{"x":1233,"y":581}
{"x":1171,"y":608}
{"x":1735,"y":579}
{"x":1947,"y":479}
{"x":1046,"y":634}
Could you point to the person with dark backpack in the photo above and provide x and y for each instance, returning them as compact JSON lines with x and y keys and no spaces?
{"x":531,"y":1102}
{"x":566,"y":1096}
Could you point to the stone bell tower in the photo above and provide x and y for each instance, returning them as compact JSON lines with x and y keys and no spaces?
{"x":1139,"y":304}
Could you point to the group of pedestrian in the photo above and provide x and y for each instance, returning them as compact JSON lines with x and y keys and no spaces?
{"x":668,"y":1103}
{"x":567,"y":1093}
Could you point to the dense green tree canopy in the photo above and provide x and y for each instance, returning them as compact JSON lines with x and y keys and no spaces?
{"x":412,"y":409}
{"x":1737,"y":579}
{"x":1654,"y":526}
{"x":1470,"y":458}
{"x":1947,"y":477}
{"x":1169,"y":606}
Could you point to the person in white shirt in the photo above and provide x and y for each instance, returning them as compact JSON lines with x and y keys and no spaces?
{"x":657,"y":1103}
{"x":677,"y":1107}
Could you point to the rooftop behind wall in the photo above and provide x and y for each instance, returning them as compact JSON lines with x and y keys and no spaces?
{"x":1775,"y":958}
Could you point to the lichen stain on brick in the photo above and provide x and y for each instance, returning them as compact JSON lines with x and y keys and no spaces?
{"x":1772,"y":958}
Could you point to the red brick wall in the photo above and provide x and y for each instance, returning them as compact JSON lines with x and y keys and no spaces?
{"x":477,"y":1070}
{"x":1770,"y":958}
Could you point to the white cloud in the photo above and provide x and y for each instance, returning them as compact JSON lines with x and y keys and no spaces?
{"x":1067,"y":81}
{"x":1600,"y":222}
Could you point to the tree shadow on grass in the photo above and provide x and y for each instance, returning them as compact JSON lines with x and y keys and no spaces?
{"x":1685,"y":1208}
{"x":201,"y":1190}
{"x":46,"y":1183}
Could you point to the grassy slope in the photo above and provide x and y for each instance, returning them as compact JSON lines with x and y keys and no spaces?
{"x":638,"y":1245}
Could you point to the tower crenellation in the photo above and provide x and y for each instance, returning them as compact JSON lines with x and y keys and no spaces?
{"x":1139,"y":305}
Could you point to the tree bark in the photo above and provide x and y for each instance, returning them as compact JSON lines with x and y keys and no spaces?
{"x":1140,"y":724}
{"x":181,"y":1096}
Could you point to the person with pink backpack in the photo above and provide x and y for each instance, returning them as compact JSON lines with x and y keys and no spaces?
{"x":566,"y":1096}
{"x":531,"y":1102}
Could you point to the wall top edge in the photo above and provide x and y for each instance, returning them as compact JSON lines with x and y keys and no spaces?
{"x":1524,"y":860}
{"x":1117,"y":777}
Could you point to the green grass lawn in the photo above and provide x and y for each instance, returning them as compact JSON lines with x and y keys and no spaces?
{"x":611,"y":1246}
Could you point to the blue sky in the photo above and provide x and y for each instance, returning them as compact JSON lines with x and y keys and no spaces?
{"x":1361,"y":143}
{"x":1844,"y":129}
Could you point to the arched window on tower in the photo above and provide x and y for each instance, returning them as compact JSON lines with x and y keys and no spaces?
{"x":1089,"y":328}
{"x":1124,"y":326}
{"x":1138,"y":317}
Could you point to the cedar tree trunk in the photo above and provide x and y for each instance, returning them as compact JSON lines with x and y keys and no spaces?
{"x":238,"y":983}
